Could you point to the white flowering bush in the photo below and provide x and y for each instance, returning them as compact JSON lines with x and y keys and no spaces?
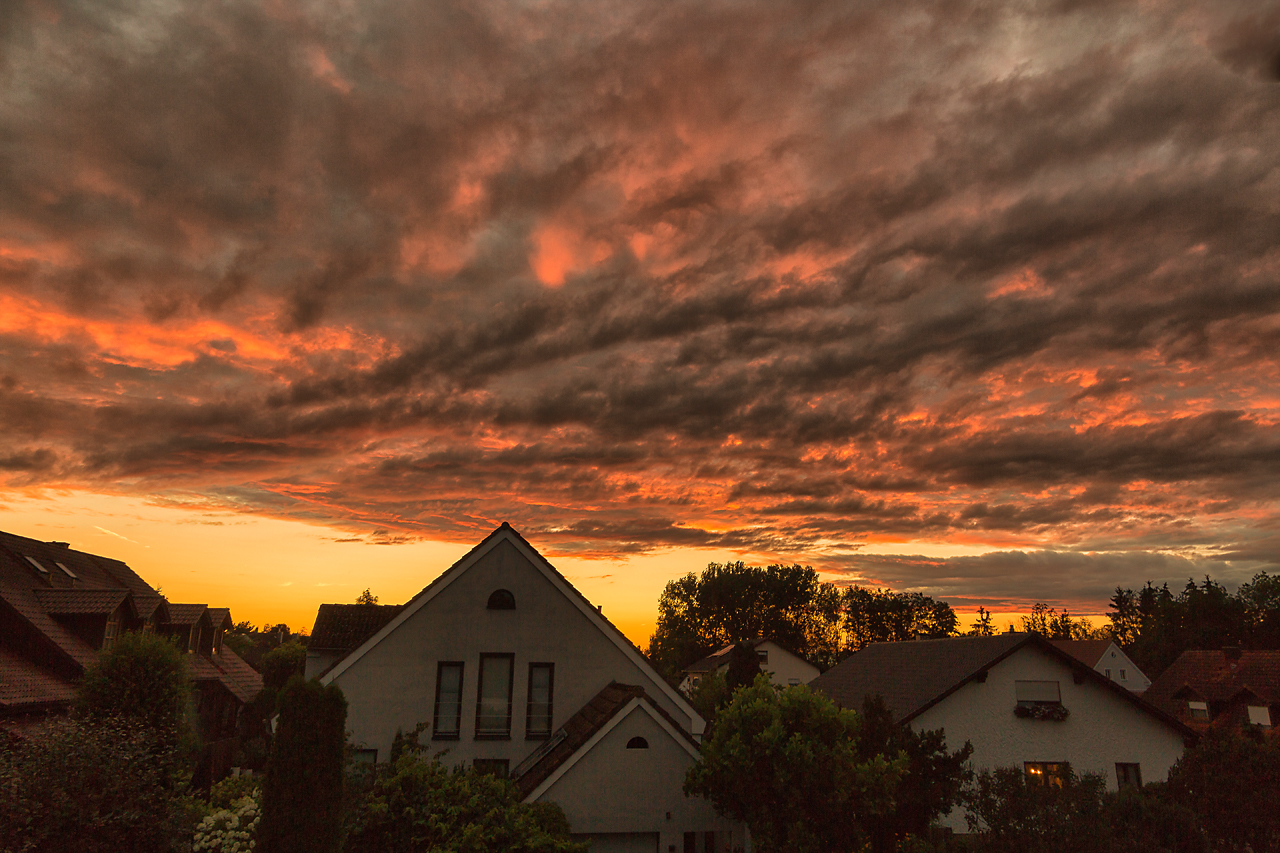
{"x":233,"y":830}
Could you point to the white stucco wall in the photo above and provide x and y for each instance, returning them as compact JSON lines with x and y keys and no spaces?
{"x":612,"y":789}
{"x":393,"y":684}
{"x":1102,"y":729}
{"x":783,"y":666}
{"x":1116,"y":665}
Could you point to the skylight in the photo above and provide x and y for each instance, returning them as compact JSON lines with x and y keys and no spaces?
{"x":39,"y":568}
{"x":67,"y":571}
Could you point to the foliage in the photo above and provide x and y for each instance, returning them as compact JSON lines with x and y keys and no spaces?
{"x":983,"y":626}
{"x":84,"y":786}
{"x":421,"y":806}
{"x":366,"y":597}
{"x":744,"y":666}
{"x":282,"y":663}
{"x":786,"y":763}
{"x":302,"y":792}
{"x":232,"y":830}
{"x":931,"y":782}
{"x":234,"y":788}
{"x":1232,"y":782}
{"x":708,"y":696}
{"x":1011,"y":814}
{"x":1052,"y":712}
{"x":1155,"y":626}
{"x":1048,"y":622}
{"x":885,"y":616}
{"x":142,"y":678}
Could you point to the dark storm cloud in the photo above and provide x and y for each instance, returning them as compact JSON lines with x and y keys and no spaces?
{"x":655,"y":275}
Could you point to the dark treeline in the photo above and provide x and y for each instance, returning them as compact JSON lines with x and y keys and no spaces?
{"x":733,"y":602}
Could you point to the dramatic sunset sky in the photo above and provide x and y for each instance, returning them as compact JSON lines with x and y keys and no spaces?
{"x":975,"y":298}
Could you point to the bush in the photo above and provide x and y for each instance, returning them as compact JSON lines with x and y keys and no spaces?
{"x":1011,"y":814}
{"x":83,"y":787}
{"x":142,"y":678}
{"x":233,"y":830}
{"x":233,"y":788}
{"x":1232,"y":783}
{"x":420,"y":806}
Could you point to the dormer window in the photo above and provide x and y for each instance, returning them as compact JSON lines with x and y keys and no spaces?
{"x":1198,"y":710}
{"x":501,"y":599}
{"x":1260,"y":715}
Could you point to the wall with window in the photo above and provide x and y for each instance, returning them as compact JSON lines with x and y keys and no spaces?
{"x":1100,"y":731}
{"x":785,"y":668}
{"x":400,"y":681}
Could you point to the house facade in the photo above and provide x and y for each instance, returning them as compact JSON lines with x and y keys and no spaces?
{"x":784,"y":667}
{"x":1020,"y":701}
{"x":516,"y":673}
{"x":1109,"y":660}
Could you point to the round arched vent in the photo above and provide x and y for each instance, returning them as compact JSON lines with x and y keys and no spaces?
{"x":502,"y":599}
{"x":637,"y":742}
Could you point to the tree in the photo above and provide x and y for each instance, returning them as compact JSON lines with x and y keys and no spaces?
{"x":142,"y":678}
{"x":984,"y":626}
{"x":786,"y":763}
{"x":744,"y":666}
{"x":1011,"y":814}
{"x":420,"y":806}
{"x":1231,"y":781}
{"x":366,"y":597}
{"x":931,"y":782}
{"x":302,"y":792}
{"x":885,"y":616}
{"x":1049,"y":623}
{"x":283,"y":663}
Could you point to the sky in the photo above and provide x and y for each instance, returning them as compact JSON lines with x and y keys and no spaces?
{"x":975,"y":299}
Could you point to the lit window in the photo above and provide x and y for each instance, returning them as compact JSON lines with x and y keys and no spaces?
{"x":1128,"y":775}
{"x":36,"y":564}
{"x":1199,"y":710}
{"x":448,"y":714}
{"x":637,"y":742}
{"x":493,"y":708}
{"x":541,"y":690}
{"x":501,"y":599}
{"x":1053,"y":773}
{"x":1038,"y":692}
{"x":1260,"y":715}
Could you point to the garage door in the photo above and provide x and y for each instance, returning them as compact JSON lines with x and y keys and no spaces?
{"x":621,"y":842}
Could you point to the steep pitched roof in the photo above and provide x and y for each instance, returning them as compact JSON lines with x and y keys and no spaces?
{"x":229,"y":669}
{"x":1217,"y":676}
{"x":579,"y":729}
{"x":345,"y":626}
{"x":1086,"y":651}
{"x":186,"y":614}
{"x":25,"y":685}
{"x":914,"y":676}
{"x":80,"y":602}
{"x":712,"y":661}
{"x":505,"y":532}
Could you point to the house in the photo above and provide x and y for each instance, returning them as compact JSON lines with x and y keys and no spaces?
{"x":516,"y":673}
{"x":60,"y":608}
{"x":1106,"y":657}
{"x":785,"y":668}
{"x":1020,"y":701}
{"x":1227,"y":688}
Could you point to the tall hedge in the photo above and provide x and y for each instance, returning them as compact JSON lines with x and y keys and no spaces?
{"x":302,"y":793}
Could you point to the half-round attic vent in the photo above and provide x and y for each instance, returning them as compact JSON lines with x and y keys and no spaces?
{"x":637,"y":742}
{"x":502,"y":599}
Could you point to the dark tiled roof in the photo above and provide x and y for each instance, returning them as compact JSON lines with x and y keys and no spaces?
{"x":912,"y":675}
{"x":1086,"y":651}
{"x":712,"y":661}
{"x":346,"y":626}
{"x":186,"y":614}
{"x":220,"y":617}
{"x":78,"y":602}
{"x":230,"y":670}
{"x":24,"y":684}
{"x":582,"y":726}
{"x":1213,"y":676}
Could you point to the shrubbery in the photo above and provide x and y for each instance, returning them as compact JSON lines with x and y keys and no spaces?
{"x":233,"y":830}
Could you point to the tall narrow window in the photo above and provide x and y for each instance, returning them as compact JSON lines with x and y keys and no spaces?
{"x":1128,"y":775}
{"x":493,"y":707}
{"x":448,"y":716}
{"x":109,"y":635}
{"x":537,"y":723}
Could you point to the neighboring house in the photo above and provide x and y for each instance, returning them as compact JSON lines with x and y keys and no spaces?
{"x":517,"y":673}
{"x":1021,"y":702}
{"x":1106,"y":657}
{"x":785,"y":668}
{"x":60,"y":608}
{"x":1225,"y":688}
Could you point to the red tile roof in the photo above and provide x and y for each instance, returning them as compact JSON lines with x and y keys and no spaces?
{"x":230,"y":670}
{"x":344,"y":627}
{"x":1218,"y":677}
{"x":79,"y":602}
{"x":1086,"y":651}
{"x":186,"y":614}
{"x":25,"y":685}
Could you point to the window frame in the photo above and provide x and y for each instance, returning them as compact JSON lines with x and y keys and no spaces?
{"x":1265,"y":712}
{"x":1130,"y":777}
{"x":510,"y":659}
{"x":1052,"y":773}
{"x":1197,"y":709}
{"x":529,"y":732}
{"x":456,"y":734}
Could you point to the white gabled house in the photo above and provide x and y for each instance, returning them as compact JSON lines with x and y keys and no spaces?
{"x":1020,"y":700}
{"x":517,"y":673}
{"x":784,"y":667}
{"x":1107,"y":658}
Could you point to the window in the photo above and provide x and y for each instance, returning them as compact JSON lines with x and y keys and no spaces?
{"x":1128,"y":775}
{"x":1198,"y":710}
{"x":109,"y":635}
{"x":448,"y":715}
{"x":708,"y":842}
{"x":691,"y":842}
{"x":762,"y":655}
{"x":66,"y":571}
{"x":1122,"y":676}
{"x":36,"y":564}
{"x":1047,"y":772}
{"x":491,"y":766}
{"x":1108,"y":675}
{"x":1038,"y":693}
{"x":493,"y":700}
{"x":637,"y":742}
{"x":537,"y":723}
{"x":1260,"y":715}
{"x":793,"y":682}
{"x":501,"y":599}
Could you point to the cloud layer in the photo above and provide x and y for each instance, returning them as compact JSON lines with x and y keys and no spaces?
{"x":786,"y":279}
